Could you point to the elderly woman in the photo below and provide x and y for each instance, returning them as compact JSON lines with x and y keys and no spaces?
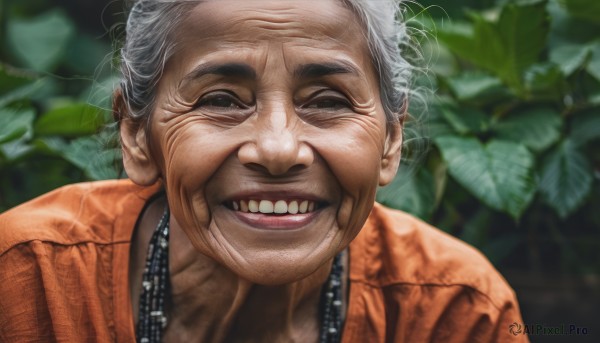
{"x":255,"y":135}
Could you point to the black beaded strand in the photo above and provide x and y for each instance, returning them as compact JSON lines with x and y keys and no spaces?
{"x":152,"y":317}
{"x":331,"y":304}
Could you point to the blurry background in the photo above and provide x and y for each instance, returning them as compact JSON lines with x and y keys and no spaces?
{"x":505,"y":155}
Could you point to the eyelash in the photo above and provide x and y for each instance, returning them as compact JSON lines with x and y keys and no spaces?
{"x":339,"y":102}
{"x":221,"y":95}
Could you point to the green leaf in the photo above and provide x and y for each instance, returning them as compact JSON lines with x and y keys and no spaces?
{"x":439,"y":172}
{"x":15,"y":123}
{"x":459,"y":38}
{"x":91,"y":156}
{"x":499,"y":174}
{"x":593,"y":66}
{"x":536,"y":128}
{"x":569,"y":57}
{"x":29,"y":91}
{"x":585,"y":127}
{"x":50,"y":145}
{"x":567,"y":29}
{"x":41,"y":41}
{"x":437,"y":125}
{"x":506,"y":47}
{"x":11,"y":78}
{"x":16,"y":149}
{"x":465,"y":120}
{"x":94,"y":50}
{"x":410,"y":191}
{"x":583,"y":9}
{"x":476,"y":87}
{"x":70,"y":120}
{"x":490,"y":50}
{"x":545,"y":81}
{"x":478,"y":43}
{"x":443,"y":63}
{"x":566,"y":178}
{"x":100,"y":93}
{"x":16,"y":84}
{"x":523,"y":30}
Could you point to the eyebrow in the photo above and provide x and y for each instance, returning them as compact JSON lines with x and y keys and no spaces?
{"x":313,"y":70}
{"x":240,"y":70}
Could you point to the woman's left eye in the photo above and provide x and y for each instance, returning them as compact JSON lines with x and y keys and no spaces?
{"x":328,"y":103}
{"x":220,"y":101}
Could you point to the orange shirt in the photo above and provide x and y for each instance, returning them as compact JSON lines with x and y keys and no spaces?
{"x":64,"y":275}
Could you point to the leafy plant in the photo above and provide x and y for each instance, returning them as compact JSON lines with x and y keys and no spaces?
{"x":48,"y":122}
{"x":516,"y":122}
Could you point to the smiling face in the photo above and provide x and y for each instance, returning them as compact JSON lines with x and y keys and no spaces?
{"x":269,"y":135}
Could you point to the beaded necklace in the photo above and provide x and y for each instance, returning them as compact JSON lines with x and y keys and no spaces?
{"x":155,"y":283}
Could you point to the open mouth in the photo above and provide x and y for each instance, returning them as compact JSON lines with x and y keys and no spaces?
{"x":276,"y":207}
{"x":276,"y":210}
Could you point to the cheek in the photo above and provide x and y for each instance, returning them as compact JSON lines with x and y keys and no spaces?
{"x":193,"y":148}
{"x":190,"y":157}
{"x":191,"y":154}
{"x":353,"y":153}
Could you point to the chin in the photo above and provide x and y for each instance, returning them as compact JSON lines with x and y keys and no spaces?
{"x":279,"y":268}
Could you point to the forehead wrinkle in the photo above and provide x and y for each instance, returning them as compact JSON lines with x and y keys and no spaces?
{"x":297,"y":33}
{"x":282,"y":17}
{"x":219,"y":23}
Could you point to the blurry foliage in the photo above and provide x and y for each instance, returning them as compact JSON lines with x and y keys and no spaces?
{"x":513,"y":131}
{"x":55,"y":85}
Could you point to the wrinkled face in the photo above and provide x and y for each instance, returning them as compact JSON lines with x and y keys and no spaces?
{"x":269,"y":134}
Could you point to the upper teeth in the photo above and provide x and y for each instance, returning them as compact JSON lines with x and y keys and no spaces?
{"x":279,"y":206}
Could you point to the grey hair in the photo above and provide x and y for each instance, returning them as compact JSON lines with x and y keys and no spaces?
{"x":385,"y":33}
{"x":146,"y":51}
{"x":149,"y":45}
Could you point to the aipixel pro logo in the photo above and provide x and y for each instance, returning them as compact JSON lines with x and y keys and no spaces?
{"x":515,"y":328}
{"x":546,"y":330}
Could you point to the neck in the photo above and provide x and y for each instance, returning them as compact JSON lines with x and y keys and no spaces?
{"x":211,"y":304}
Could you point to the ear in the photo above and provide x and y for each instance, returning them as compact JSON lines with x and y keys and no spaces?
{"x":391,"y":154}
{"x":137,"y":159}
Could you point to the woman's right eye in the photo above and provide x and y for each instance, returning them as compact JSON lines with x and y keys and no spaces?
{"x":219,"y":101}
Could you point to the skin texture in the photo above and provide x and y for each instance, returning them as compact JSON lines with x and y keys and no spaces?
{"x":269,"y":125}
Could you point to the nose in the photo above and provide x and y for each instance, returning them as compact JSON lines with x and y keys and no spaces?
{"x":276,"y":147}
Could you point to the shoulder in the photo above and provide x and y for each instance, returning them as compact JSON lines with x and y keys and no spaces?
{"x":73,"y":214}
{"x":415,"y":283}
{"x":74,"y":238}
{"x":403,"y":250}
